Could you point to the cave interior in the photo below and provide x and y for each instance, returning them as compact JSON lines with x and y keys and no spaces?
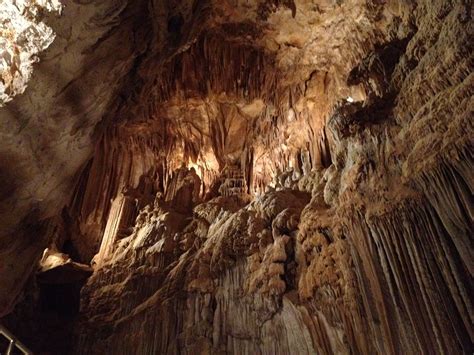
{"x":236,"y":176}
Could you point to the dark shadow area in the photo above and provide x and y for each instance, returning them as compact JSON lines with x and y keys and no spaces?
{"x":45,"y":319}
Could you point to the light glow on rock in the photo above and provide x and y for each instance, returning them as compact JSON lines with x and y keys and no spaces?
{"x":22,"y":37}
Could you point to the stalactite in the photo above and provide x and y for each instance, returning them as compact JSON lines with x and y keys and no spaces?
{"x":351,"y":244}
{"x":227,"y":67}
{"x":281,"y":179}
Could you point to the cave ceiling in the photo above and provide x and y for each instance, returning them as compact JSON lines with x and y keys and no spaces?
{"x":317,"y":151}
{"x":199,"y":75}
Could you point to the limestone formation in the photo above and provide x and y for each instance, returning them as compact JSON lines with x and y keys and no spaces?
{"x":237,"y":176}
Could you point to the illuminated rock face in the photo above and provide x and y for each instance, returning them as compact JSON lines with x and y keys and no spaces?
{"x":47,"y":133}
{"x":23,"y":37}
{"x":271,"y":177}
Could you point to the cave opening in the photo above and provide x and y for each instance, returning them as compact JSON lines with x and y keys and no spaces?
{"x":237,"y":176}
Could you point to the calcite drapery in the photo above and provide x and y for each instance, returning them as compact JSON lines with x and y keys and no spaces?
{"x":348,"y":123}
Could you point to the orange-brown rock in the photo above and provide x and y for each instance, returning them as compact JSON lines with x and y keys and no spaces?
{"x":239,"y":176}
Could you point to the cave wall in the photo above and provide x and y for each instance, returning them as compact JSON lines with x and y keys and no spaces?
{"x":346,"y":128}
{"x":369,"y":253}
{"x":47,"y":132}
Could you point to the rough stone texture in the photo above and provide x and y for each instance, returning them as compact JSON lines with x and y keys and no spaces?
{"x":275,"y":177}
{"x":23,"y":37}
{"x":47,"y":132}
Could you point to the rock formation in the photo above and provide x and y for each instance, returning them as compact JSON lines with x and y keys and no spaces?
{"x":238,"y":176}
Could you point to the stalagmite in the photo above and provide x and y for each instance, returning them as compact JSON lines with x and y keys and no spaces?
{"x":237,"y":176}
